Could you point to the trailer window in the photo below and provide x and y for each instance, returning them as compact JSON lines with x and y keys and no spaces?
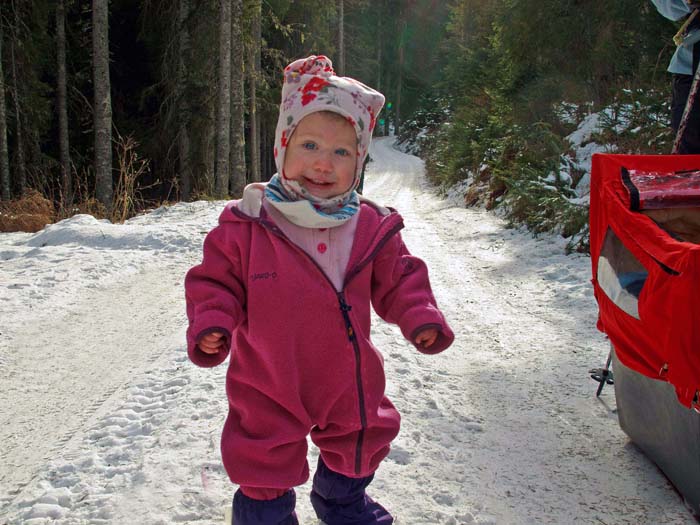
{"x":620,"y":275}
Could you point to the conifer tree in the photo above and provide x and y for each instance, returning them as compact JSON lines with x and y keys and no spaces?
{"x":62,"y":104}
{"x":341,"y":38}
{"x":103,"y":103}
{"x":223,"y":113}
{"x":182,"y":102}
{"x":237,"y":162}
{"x":254,"y":70}
{"x":4,"y":157}
{"x":20,"y":162}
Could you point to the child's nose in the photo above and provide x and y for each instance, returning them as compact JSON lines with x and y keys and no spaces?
{"x":323,"y":163}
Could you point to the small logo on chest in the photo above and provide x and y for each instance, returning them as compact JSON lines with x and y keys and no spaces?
{"x":264,"y":276}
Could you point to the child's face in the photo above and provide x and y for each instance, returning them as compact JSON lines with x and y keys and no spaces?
{"x":322,"y":155}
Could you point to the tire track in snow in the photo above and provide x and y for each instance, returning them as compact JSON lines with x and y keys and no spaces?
{"x":64,"y":369}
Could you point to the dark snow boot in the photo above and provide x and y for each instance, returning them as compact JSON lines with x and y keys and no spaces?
{"x":340,"y":500}
{"x":278,"y":511}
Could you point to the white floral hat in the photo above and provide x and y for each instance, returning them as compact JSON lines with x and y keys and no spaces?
{"x":310,"y":85}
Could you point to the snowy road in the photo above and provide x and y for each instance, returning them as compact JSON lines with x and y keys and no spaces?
{"x":103,"y":420}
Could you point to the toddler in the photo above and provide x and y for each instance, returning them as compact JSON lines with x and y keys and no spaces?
{"x":285,"y":285}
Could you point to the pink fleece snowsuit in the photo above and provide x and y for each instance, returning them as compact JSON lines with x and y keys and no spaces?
{"x":302,"y":361}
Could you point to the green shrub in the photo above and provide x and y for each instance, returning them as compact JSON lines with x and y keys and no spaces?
{"x":637,"y":122}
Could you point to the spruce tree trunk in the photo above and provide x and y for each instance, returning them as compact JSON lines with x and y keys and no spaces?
{"x":341,"y":38}
{"x":209,"y":137}
{"x":103,"y":103}
{"x":237,"y":158}
{"x":399,"y":83}
{"x":388,"y":118}
{"x":64,"y":143}
{"x":183,"y":107}
{"x":271,"y":149}
{"x":380,"y":44}
{"x":253,"y":72}
{"x":5,"y":193}
{"x":265,"y":156}
{"x":223,"y":110}
{"x":399,"y":87}
{"x":21,"y":164}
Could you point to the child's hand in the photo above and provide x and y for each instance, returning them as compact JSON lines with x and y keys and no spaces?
{"x":211,"y":343}
{"x":427,"y":337}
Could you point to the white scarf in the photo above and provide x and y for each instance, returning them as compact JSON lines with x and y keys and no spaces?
{"x":304,"y":209}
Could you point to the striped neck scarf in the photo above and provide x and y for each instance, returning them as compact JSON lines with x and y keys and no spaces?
{"x":304,"y":209}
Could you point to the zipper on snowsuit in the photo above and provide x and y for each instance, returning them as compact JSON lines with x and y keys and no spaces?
{"x":344,"y":309}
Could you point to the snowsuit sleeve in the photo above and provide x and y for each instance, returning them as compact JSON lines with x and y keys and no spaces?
{"x":215,"y":296}
{"x":401,"y":295}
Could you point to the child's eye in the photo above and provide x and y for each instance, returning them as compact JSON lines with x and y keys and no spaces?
{"x":308,"y":145}
{"x":342,"y":152}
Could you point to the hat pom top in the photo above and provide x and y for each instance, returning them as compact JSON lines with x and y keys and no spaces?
{"x":313,"y":65}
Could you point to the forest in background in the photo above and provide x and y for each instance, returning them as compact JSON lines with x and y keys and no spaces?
{"x":109,"y":107}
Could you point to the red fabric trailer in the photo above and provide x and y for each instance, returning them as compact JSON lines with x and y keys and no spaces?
{"x":645,"y":256}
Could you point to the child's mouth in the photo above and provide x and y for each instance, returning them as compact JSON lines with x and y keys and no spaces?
{"x":317,"y":183}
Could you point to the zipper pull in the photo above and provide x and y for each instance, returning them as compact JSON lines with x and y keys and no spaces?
{"x":345,"y":308}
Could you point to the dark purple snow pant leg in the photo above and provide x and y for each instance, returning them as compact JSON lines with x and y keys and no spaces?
{"x":278,"y":511}
{"x":340,"y":500}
